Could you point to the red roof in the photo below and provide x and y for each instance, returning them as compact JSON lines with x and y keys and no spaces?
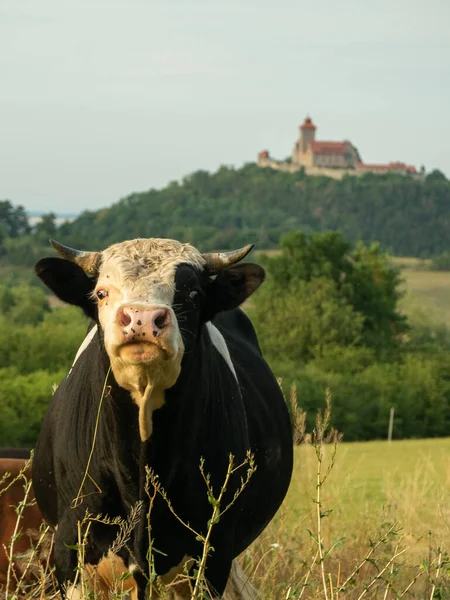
{"x":392,"y":166}
{"x":328,"y":147}
{"x":308,"y":124}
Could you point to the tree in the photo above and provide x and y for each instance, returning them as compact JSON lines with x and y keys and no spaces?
{"x":321,"y":293}
{"x":23,"y":304}
{"x":441,"y":262}
{"x":436,"y":175}
{"x":301,"y":320}
{"x":13,"y":220}
{"x":373,"y":289}
{"x":46,"y":227}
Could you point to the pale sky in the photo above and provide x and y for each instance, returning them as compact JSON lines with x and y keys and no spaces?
{"x":102,"y":98}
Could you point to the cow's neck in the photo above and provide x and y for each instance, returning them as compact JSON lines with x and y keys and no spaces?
{"x":207,"y":396}
{"x":206,"y":375}
{"x":147,"y":388}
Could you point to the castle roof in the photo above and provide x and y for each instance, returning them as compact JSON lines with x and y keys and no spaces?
{"x":308,"y":124}
{"x":392,"y":166}
{"x":328,"y":147}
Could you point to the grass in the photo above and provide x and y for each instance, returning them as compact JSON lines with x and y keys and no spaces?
{"x":383,"y":513}
{"x":406,"y":481}
{"x":391,"y":494}
{"x":428,"y":291}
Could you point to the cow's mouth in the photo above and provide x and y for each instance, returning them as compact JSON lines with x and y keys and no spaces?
{"x":141,"y":352}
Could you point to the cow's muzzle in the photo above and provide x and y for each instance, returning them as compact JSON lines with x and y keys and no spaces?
{"x":146,"y":333}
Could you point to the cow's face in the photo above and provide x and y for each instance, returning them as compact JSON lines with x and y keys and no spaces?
{"x":135,"y":294}
{"x":150,"y":297}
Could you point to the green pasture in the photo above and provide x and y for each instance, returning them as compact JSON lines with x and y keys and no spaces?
{"x":429,"y":292}
{"x":405,"y":480}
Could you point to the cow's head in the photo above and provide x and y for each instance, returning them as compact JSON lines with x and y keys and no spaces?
{"x":150,"y":297}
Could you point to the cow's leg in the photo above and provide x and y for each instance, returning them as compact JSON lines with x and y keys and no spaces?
{"x":74,"y":580}
{"x":217,"y":572}
{"x":66,"y":562}
{"x":238,"y":587}
{"x":141,"y":583}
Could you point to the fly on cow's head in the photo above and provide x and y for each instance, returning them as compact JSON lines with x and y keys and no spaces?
{"x":150,"y":297}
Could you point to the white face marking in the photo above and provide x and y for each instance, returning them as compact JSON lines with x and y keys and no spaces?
{"x":136,"y":281}
{"x":139,"y":274}
{"x":220,"y":344}
{"x":87,"y":340}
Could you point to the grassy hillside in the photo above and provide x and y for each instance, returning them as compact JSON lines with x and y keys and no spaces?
{"x":427,"y":292}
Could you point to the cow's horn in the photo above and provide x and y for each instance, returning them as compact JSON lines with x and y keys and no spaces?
{"x":88,"y":261}
{"x":216,"y":261}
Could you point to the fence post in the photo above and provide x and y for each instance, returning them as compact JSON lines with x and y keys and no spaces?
{"x":391,"y":424}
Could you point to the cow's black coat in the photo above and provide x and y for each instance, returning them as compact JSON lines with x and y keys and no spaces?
{"x":206,"y":414}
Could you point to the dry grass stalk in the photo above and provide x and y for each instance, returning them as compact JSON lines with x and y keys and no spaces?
{"x":197,"y":582}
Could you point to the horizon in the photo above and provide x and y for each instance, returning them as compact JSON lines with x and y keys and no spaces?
{"x":170,"y":89}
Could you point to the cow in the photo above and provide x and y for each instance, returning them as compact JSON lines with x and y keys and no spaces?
{"x":170,"y":378}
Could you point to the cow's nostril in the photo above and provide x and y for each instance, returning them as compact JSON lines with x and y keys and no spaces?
{"x":161,"y":321}
{"x":124,"y":319}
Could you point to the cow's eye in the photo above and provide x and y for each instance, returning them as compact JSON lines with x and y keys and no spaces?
{"x":101,"y":294}
{"x":193,"y":294}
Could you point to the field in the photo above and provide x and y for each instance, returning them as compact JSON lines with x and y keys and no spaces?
{"x":428,"y":291}
{"x":375,"y":489}
{"x":383,"y":533}
{"x":404,"y":480}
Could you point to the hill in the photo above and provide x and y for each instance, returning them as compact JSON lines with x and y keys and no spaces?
{"x":232,"y":207}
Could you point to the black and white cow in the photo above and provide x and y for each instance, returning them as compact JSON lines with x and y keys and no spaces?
{"x":185,"y":381}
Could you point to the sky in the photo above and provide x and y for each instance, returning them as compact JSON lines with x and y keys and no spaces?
{"x":99,"y":99}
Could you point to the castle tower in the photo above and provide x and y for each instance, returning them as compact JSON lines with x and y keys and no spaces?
{"x":307,"y":135}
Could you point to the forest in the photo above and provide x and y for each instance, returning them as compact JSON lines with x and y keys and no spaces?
{"x":234,"y":207}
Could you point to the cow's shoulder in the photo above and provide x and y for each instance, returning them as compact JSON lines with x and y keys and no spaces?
{"x":237,"y":329}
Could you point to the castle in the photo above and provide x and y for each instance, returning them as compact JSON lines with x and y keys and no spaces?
{"x":333,"y":159}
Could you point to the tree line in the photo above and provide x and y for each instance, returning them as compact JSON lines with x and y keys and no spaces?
{"x":232,"y":207}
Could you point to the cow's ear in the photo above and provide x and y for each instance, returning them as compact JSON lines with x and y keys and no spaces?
{"x":233,"y":286}
{"x":69,"y":282}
